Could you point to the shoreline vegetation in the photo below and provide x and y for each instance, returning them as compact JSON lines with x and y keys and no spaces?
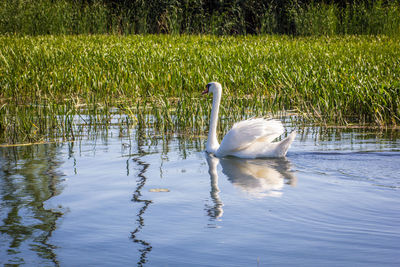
{"x":224,"y":17}
{"x":71,"y":67}
{"x":55,"y":83}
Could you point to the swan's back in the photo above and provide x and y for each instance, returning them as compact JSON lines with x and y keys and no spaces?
{"x":247,"y":133}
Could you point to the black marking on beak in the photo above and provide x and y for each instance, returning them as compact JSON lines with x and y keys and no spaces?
{"x":206,"y":91}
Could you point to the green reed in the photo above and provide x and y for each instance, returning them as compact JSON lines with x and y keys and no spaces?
{"x":47,"y":81}
{"x":318,"y":17}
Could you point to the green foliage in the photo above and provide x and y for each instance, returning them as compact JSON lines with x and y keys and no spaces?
{"x":156,"y":79}
{"x":315,"y":19}
{"x":227,"y":17}
{"x":372,"y":18}
{"x":36,"y":17}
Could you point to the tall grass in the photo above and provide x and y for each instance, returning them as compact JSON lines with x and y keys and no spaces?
{"x":372,"y":18}
{"x":38,"y":17}
{"x":46,"y":81}
{"x":316,"y":19}
{"x":360,"y":17}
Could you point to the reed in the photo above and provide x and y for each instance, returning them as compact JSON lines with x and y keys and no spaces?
{"x":318,"y":17}
{"x":51,"y":85}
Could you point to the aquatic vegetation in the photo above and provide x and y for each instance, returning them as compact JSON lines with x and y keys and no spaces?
{"x":52,"y":85}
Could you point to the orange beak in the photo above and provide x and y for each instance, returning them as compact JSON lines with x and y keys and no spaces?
{"x":205,"y":91}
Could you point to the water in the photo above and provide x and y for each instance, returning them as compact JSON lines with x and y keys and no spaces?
{"x":141,"y":199}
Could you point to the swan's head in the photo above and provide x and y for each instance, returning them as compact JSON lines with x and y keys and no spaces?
{"x":212,"y":87}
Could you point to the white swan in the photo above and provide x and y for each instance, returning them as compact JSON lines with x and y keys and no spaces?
{"x":250,"y":138}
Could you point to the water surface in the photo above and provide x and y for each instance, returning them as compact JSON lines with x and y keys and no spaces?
{"x":143,"y":199}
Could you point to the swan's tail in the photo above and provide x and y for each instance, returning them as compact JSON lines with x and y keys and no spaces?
{"x":284,"y":145}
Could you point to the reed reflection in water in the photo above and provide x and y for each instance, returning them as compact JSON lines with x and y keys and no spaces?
{"x":258,"y":178}
{"x":146,"y":246}
{"x":29,"y":176}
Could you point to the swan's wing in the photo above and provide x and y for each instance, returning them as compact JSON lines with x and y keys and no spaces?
{"x":246,"y":132}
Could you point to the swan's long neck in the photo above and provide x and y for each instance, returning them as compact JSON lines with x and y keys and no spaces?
{"x":212,"y":142}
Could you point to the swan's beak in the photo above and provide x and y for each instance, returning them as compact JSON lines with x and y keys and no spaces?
{"x":205,"y":91}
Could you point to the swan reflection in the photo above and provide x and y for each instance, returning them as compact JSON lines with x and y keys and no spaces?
{"x":257,"y":177}
{"x":215,"y":211}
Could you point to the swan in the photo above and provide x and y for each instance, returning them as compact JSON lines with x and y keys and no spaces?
{"x":250,"y":138}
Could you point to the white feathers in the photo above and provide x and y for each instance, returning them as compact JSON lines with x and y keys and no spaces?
{"x":245,"y":133}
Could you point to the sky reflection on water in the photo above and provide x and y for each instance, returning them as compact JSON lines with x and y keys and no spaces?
{"x":143,"y":199}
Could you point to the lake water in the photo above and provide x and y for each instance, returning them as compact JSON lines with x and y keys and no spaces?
{"x":141,"y":199}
